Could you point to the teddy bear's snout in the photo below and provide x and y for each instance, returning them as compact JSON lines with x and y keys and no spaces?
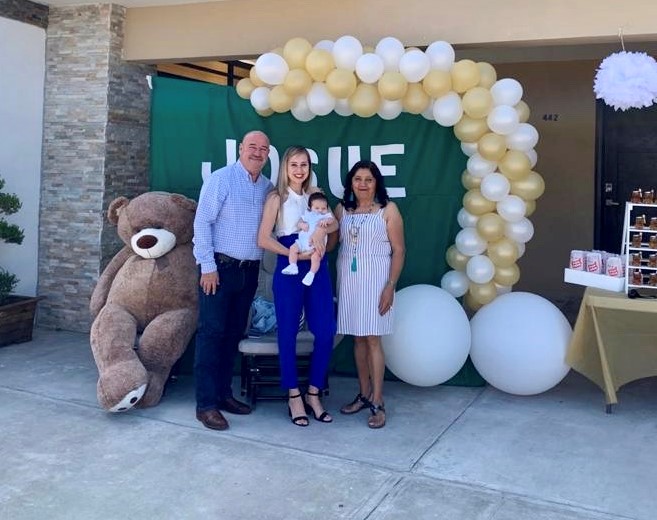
{"x":153,"y":243}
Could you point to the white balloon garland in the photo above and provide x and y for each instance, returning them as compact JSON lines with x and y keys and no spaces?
{"x":488,"y":115}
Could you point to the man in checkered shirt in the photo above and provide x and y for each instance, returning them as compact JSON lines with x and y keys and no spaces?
{"x":225,"y":247}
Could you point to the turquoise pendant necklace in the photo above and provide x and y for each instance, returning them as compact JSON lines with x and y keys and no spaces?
{"x":354,"y":231}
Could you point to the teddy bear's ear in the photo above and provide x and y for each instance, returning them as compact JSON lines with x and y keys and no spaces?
{"x":184,"y":202}
{"x":115,"y":208}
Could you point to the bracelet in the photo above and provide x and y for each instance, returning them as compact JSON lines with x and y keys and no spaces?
{"x":390,"y":283}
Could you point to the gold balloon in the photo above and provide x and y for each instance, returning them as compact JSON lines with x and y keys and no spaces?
{"x":483,"y":293}
{"x":515,"y":165}
{"x":416,"y":99}
{"x":487,"y":74}
{"x":529,"y":188}
{"x":295,"y":52}
{"x":471,"y":303}
{"x":244,"y":88}
{"x":474,"y":202}
{"x":470,"y":130}
{"x":503,"y":253}
{"x":365,"y":100}
{"x":523,"y":111}
{"x":392,"y":86}
{"x":437,"y":83}
{"x":257,"y":82}
{"x":490,"y":226}
{"x":492,"y":146}
{"x":530,"y":206}
{"x":265,"y":113}
{"x":280,"y":100}
{"x":465,"y":75}
{"x":297,"y":82}
{"x":319,"y":63}
{"x":477,"y":102}
{"x":507,"y":275}
{"x":341,"y":83}
{"x":455,"y":259}
{"x":469,"y":181}
{"x":368,"y":49}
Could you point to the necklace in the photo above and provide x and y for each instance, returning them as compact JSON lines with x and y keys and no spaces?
{"x":354,"y":232}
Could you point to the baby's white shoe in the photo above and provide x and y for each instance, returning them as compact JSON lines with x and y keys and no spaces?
{"x":308,"y":279}
{"x":291,"y":269}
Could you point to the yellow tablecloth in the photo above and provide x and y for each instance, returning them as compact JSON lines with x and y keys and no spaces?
{"x":615,"y":340}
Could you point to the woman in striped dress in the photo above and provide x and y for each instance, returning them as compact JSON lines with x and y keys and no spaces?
{"x":370,"y":260}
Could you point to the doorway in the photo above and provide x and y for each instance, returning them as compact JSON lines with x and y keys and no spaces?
{"x":626,"y":159}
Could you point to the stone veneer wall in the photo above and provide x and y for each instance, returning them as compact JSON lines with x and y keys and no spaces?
{"x":25,"y":11}
{"x":95,"y":147}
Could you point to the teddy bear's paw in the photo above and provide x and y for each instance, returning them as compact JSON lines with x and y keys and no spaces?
{"x":130,"y":400}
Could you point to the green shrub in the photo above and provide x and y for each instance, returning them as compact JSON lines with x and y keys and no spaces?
{"x":10,"y":234}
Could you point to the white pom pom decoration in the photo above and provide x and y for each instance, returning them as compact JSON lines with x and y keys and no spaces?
{"x":627,"y":80}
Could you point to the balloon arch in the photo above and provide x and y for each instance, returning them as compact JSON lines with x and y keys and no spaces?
{"x":488,"y":115}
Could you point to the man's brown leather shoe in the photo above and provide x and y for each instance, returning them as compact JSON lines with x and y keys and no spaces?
{"x":212,"y":419}
{"x":232,"y":405}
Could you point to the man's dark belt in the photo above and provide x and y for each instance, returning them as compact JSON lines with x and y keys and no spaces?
{"x":229,"y":261}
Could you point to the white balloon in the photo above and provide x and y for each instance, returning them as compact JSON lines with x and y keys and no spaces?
{"x":503,"y":119}
{"x":300,"y":110}
{"x":414,"y":65}
{"x":441,"y":54}
{"x":469,"y":149}
{"x":506,"y":91}
{"x":523,"y":138}
{"x":260,"y":98}
{"x":480,"y":269}
{"x":521,"y":231}
{"x":480,"y":167}
{"x":431,"y":340}
{"x":533,"y":157}
{"x":343,"y":108}
{"x":469,"y":242}
{"x":346,"y":51}
{"x":369,"y":68}
{"x":455,"y":283}
{"x":519,"y":343}
{"x":326,"y":45}
{"x":389,"y":110}
{"x":495,"y":187}
{"x":466,"y":219}
{"x":390,"y":50}
{"x":319,"y":99}
{"x":427,"y":113}
{"x":271,"y":68}
{"x":511,"y":208}
{"x":447,"y":110}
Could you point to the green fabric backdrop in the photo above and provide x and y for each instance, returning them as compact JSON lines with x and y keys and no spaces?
{"x":196,"y":127}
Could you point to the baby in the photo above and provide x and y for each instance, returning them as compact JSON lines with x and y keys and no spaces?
{"x":317,"y":214}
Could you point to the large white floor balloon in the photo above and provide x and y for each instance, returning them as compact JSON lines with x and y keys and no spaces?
{"x":519,"y":343}
{"x":431,"y":340}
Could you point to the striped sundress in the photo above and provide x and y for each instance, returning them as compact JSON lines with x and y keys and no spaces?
{"x":361,"y":282}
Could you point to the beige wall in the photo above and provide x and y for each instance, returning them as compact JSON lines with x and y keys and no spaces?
{"x":243,"y":28}
{"x":564,"y":216}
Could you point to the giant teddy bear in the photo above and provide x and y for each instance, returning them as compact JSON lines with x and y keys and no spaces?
{"x":145,"y":304}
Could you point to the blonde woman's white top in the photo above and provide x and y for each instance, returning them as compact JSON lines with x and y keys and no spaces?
{"x":291,"y":211}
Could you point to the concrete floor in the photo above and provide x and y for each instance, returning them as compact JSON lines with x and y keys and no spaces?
{"x":446,"y":453}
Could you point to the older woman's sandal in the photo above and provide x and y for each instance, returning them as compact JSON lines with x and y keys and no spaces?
{"x":359,"y":403}
{"x":378,"y":417}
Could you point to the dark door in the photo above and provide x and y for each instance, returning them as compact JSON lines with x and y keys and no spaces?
{"x":626,"y":159}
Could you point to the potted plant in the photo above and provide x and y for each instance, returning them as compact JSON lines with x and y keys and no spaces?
{"x":16,"y":312}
